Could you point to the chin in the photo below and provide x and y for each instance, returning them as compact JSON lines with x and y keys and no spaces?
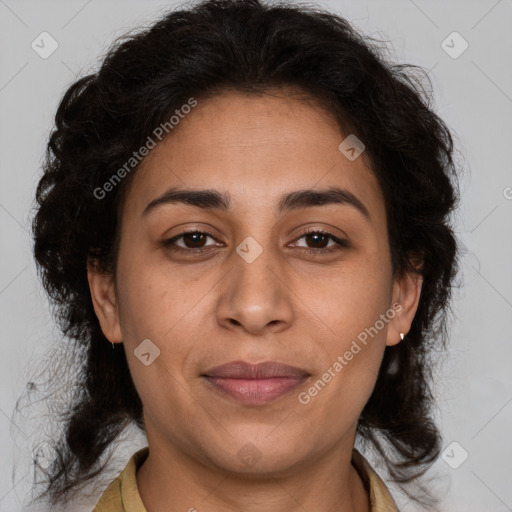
{"x":251,"y":456}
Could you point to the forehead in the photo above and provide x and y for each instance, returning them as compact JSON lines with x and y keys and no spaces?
{"x":255,"y":147}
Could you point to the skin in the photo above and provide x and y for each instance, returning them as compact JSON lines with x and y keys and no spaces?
{"x":287,"y":305}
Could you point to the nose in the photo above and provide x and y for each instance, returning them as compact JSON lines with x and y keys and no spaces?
{"x":255,"y":296}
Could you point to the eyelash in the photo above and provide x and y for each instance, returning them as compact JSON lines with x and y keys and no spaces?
{"x":168,"y":244}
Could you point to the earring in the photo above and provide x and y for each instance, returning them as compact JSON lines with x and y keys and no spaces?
{"x":112,"y":345}
{"x":402,"y":335}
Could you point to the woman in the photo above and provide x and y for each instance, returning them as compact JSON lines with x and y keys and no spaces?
{"x":244,"y":221}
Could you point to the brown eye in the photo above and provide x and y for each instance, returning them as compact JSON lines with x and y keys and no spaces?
{"x":194,"y":240}
{"x":191,"y":241}
{"x":317,"y":242}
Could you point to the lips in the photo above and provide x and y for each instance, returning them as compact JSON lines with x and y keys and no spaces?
{"x":255,"y":384}
{"x":243,"y":370}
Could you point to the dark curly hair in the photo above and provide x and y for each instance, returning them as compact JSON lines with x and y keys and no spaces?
{"x":243,"y":45}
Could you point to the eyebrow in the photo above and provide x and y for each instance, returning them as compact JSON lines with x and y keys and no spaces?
{"x":213,"y":199}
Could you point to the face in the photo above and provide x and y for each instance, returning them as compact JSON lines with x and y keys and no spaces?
{"x":300,"y":282}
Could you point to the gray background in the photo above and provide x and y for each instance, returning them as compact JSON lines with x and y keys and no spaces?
{"x":472,"y":93}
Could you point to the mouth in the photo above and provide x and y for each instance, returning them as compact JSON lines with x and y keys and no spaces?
{"x":255,"y":384}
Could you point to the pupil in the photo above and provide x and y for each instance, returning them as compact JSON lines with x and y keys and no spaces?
{"x":317,"y":236}
{"x":194,"y":235}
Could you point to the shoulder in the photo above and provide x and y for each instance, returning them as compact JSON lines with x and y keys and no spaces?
{"x":122,"y":494}
{"x":380,"y":497}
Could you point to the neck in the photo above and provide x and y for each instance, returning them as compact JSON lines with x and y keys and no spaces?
{"x":171,"y":480}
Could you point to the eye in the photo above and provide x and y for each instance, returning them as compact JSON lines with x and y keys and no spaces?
{"x":194,"y":242}
{"x":319,"y":239}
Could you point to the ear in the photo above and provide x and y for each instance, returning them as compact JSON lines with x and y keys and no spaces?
{"x":406,"y":292}
{"x":102,"y":288}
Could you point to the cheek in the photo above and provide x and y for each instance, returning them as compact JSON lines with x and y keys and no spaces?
{"x":357,"y":316}
{"x":161,"y":307}
{"x":150,"y":300}
{"x":358,"y":295}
